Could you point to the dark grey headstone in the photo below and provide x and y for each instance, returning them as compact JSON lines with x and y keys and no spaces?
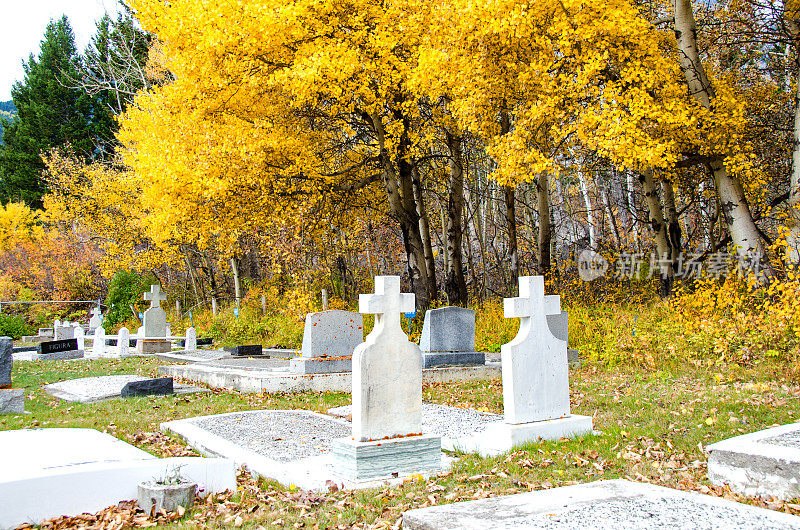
{"x":113,"y":342}
{"x":55,"y":346}
{"x":6,"y":360}
{"x":208,"y":341}
{"x":448,"y":329}
{"x":461,"y":358}
{"x":559,"y":325}
{"x":249,"y":350}
{"x":149,"y":387}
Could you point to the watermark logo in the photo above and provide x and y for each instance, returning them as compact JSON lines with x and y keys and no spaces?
{"x":591,"y":265}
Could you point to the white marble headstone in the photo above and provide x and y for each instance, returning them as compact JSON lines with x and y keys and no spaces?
{"x":191,"y":339}
{"x":99,"y":342}
{"x":534,"y":363}
{"x":155,"y":318}
{"x":387,"y":368}
{"x":80,"y":336}
{"x":96,"y":321}
{"x":64,"y":331}
{"x":123,"y":341}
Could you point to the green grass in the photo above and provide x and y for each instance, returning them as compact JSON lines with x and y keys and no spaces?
{"x":655,"y":426}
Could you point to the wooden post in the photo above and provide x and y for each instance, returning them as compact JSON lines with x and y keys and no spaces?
{"x":264,"y":304}
{"x":324,"y":299}
{"x":214,"y":306}
{"x":178,"y":308}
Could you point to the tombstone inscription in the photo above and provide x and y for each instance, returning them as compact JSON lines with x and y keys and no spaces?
{"x":58,"y":350}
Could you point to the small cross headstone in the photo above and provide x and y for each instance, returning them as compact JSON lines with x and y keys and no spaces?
{"x":387,"y":368}
{"x":99,"y":342}
{"x":123,"y":341}
{"x":191,"y":339}
{"x":96,"y":321}
{"x":155,"y":318}
{"x":535,"y":370}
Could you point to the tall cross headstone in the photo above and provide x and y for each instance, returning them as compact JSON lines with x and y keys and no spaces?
{"x":123,"y":341}
{"x":387,"y":368}
{"x":155,"y":318}
{"x":96,"y":321}
{"x":534,"y":364}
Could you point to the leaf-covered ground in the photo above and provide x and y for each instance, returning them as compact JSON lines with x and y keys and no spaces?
{"x":655,"y":428}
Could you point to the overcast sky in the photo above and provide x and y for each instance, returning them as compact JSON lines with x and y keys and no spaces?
{"x":24,"y":22}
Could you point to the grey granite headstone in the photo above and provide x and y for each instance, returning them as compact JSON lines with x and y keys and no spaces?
{"x":149,"y":387}
{"x":12,"y":401}
{"x":247,"y":350}
{"x":329,"y":338}
{"x":448,"y":329}
{"x":6,"y":360}
{"x":559,"y":327}
{"x":448,"y":338}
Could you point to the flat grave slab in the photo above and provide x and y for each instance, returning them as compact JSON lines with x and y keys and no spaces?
{"x":91,"y":389}
{"x":193,"y":356}
{"x":607,"y":504}
{"x":52,"y":472}
{"x":290,"y":446}
{"x":273,"y":375}
{"x":455,"y":426}
{"x":761,"y":463}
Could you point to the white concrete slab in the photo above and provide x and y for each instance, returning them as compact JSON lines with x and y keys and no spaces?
{"x":763,"y":463}
{"x":91,"y":389}
{"x":273,"y":380}
{"x":290,"y":446}
{"x":610,"y":504}
{"x":53,"y":472}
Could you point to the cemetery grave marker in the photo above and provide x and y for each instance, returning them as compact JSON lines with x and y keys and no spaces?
{"x":248,"y":350}
{"x":96,"y":321}
{"x":329,"y":339}
{"x":58,"y":350}
{"x":448,"y":338}
{"x":148,"y":387}
{"x":154,"y":324}
{"x":387,"y":396}
{"x":535,"y":377}
{"x":12,"y":400}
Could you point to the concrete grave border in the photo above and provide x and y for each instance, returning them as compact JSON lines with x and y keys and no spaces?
{"x":752,"y":466}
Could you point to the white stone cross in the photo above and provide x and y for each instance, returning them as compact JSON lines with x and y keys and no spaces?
{"x":155,"y":296}
{"x":531,"y":301}
{"x":534,"y":363}
{"x":386,"y":303}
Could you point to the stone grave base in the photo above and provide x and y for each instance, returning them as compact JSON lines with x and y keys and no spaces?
{"x":148,"y":346}
{"x":57,"y":356}
{"x":386,"y":458}
{"x":53,"y":472}
{"x":457,"y":427}
{"x":12,"y":401}
{"x":607,"y":504}
{"x":190,"y":356}
{"x":321,"y":365}
{"x":92,"y":389}
{"x":501,"y":437}
{"x":433,"y":359}
{"x":290,"y":446}
{"x":761,"y":463}
{"x":35,"y":338}
{"x":262,"y":375}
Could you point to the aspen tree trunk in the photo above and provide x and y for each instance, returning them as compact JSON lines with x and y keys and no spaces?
{"x":589,"y":213}
{"x":793,"y":239}
{"x":632,"y":210}
{"x":454,"y":283}
{"x":509,"y":196}
{"x":673,"y":224}
{"x":659,"y":228}
{"x":398,"y":182}
{"x":425,"y":234}
{"x":545,"y":228}
{"x":612,"y":221}
{"x":236,"y":283}
{"x":735,"y":209}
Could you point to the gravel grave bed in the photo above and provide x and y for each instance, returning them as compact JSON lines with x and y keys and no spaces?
{"x":441,"y":420}
{"x":276,"y":434}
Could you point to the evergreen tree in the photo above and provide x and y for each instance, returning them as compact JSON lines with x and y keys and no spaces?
{"x":50,"y":114}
